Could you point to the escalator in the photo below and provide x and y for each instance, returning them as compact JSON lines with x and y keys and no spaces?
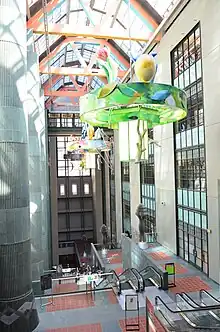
{"x":151,"y":277}
{"x":186,"y":314}
{"x":129,"y":279}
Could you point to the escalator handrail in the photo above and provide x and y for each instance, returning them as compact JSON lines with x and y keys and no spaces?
{"x":77,"y":253}
{"x":141,"y":279}
{"x":188,"y":299}
{"x":158,"y":298}
{"x":189,"y":320}
{"x":131,"y":272}
{"x":118,"y":280}
{"x":208,"y":294}
{"x":155,"y":271}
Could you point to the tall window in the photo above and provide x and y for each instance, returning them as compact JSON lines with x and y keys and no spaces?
{"x":190,"y":162}
{"x":148,"y":188}
{"x":66,"y":166}
{"x":70,"y":120}
{"x":126,"y":208}
{"x":112,"y":198}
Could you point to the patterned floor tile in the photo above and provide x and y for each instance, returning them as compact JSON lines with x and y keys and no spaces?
{"x":189,"y":284}
{"x":71,"y":302}
{"x":117,"y":259}
{"x":159,"y":256}
{"x":119,"y":270}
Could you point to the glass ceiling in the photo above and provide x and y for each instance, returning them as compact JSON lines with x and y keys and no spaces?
{"x":68,"y":11}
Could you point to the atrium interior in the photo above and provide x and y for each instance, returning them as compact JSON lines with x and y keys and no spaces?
{"x":109,"y":165}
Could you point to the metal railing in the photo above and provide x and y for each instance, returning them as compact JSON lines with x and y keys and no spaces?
{"x":77,"y":253}
{"x":140,"y":278}
{"x":132,"y":278}
{"x":189,"y":312}
{"x":150,"y":269}
{"x":60,"y":120}
{"x":96,"y":259}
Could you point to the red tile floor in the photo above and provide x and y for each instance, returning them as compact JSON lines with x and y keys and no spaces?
{"x":119,"y":270}
{"x":189,"y":284}
{"x":180,"y":269}
{"x":71,"y":302}
{"x":65,"y":288}
{"x":114,"y":257}
{"x":159,"y":256}
{"x":81,"y":328}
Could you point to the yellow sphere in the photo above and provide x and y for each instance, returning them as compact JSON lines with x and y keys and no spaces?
{"x":90,"y":132}
{"x":145,"y":68}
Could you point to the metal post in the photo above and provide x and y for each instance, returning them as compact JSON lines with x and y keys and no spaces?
{"x":147,"y":317}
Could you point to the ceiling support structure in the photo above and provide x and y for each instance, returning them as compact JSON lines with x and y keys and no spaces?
{"x":70,"y":30}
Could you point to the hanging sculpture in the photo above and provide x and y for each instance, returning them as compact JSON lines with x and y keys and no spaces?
{"x":84,"y":148}
{"x":153,"y":103}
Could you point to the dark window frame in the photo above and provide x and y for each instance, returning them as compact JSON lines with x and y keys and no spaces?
{"x":192,"y":236}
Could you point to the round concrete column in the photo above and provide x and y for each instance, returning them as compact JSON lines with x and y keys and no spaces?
{"x":17,"y":307}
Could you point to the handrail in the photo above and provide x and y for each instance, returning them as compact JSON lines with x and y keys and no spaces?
{"x":118,"y":283}
{"x":155,"y":271}
{"x":208,"y":294}
{"x":77,"y":253}
{"x":129,"y":271}
{"x":158,"y":298}
{"x":188,"y":299}
{"x":141,"y":279}
{"x":93,"y":250}
{"x":195,"y":324}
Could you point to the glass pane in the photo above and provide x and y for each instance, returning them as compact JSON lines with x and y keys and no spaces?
{"x":62,"y":190}
{"x":74,"y":189}
{"x":86,"y":188}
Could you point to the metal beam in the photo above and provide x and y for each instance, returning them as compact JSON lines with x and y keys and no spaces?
{"x":91,"y":32}
{"x":64,"y":93}
{"x":67,"y":71}
{"x":68,"y":40}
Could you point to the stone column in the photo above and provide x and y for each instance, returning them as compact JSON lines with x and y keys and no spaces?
{"x":17,"y":307}
{"x":34,"y":125}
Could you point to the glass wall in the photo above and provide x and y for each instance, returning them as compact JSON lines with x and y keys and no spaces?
{"x":126,"y":208}
{"x":190,"y":165}
{"x":112,"y":198}
{"x":65,"y":166}
{"x":148,"y":187}
{"x":64,"y":120}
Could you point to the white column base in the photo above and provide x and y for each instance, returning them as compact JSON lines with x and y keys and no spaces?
{"x":143,"y":245}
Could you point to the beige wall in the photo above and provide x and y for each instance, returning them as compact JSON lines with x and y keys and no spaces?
{"x":208,"y":13}
{"x":118,"y":195}
{"x":135,"y":197}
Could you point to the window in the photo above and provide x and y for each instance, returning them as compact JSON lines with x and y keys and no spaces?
{"x":66,"y":166}
{"x":86,"y":188}
{"x":125,"y":184}
{"x":190,"y":163}
{"x":148,"y":188}
{"x":112,"y":197}
{"x":62,"y":190}
{"x":74,"y":189}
